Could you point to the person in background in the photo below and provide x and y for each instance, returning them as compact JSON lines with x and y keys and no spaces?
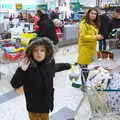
{"x":36,"y":74}
{"x":58,"y":25}
{"x":105,"y":29}
{"x":36,"y":19}
{"x":20,"y":16}
{"x":116,"y":19}
{"x":30,"y":18}
{"x":88,"y":36}
{"x":55,"y":14}
{"x":47,"y":29}
{"x":11,"y":17}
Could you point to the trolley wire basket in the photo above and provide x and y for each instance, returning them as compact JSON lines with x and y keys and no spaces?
{"x":100,"y":106}
{"x":99,"y":100}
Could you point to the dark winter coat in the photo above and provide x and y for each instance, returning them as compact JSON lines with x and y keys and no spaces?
{"x":54,"y":15}
{"x":47,"y":29}
{"x":115,"y":23}
{"x":37,"y":83}
{"x":105,"y":25}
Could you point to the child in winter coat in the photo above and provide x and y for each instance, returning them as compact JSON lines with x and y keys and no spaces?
{"x":36,"y":74}
{"x":58,"y":25}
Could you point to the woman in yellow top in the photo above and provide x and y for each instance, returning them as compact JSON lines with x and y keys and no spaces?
{"x":88,"y":37}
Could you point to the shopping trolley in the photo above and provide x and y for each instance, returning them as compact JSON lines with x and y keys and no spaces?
{"x":11,"y":53}
{"x":98,"y":98}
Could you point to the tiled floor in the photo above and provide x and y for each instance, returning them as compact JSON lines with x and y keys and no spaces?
{"x":65,"y":95}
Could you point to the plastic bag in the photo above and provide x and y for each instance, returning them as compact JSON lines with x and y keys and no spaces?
{"x":98,"y":78}
{"x":75,"y":76}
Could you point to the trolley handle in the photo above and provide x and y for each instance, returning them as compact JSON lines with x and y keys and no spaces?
{"x":103,"y":90}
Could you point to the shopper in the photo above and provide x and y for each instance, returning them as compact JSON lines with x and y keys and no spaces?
{"x":36,"y":19}
{"x":47,"y":29}
{"x":116,"y":19}
{"x":55,"y":14}
{"x":58,"y":25}
{"x":88,"y":37}
{"x":20,"y":16}
{"x":36,"y":75}
{"x":105,"y":29}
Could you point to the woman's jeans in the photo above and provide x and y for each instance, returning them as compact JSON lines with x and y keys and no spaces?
{"x":102,"y":45}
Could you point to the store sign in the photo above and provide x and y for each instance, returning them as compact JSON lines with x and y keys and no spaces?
{"x":43,"y":7}
{"x":18,"y":6}
{"x":29,"y":7}
{"x":75,"y":6}
{"x":6,"y":6}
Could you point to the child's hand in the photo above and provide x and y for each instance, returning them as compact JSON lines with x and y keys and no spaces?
{"x":25,"y":64}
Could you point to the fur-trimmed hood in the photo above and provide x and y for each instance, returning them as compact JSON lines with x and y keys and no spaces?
{"x":42,"y":41}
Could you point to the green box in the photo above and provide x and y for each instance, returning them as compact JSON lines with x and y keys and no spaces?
{"x":43,"y":7}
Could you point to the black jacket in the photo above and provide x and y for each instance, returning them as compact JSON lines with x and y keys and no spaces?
{"x":115,"y":23}
{"x":37,"y":83}
{"x":54,"y":15}
{"x":105,"y":25}
{"x":47,"y":29}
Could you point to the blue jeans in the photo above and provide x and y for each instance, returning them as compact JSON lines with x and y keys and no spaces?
{"x":102,"y":45}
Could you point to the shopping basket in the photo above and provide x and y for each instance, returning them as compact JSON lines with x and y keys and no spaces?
{"x":10,"y":52}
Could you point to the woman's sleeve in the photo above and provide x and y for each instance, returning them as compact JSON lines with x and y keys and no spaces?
{"x":62,"y":66}
{"x":84,"y":35}
{"x":17,"y":80}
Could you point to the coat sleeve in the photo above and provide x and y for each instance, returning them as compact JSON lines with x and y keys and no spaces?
{"x":84,"y":33}
{"x":17,"y":80}
{"x":62,"y":66}
{"x":51,"y":34}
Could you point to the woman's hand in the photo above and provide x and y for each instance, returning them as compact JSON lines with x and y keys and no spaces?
{"x":99,"y":37}
{"x":25,"y":64}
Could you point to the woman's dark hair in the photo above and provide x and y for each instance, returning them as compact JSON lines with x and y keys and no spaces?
{"x":39,"y":12}
{"x":37,"y":42}
{"x":96,"y":21}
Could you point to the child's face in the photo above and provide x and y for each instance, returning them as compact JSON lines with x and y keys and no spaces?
{"x":39,"y":53}
{"x":57,"y":24}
